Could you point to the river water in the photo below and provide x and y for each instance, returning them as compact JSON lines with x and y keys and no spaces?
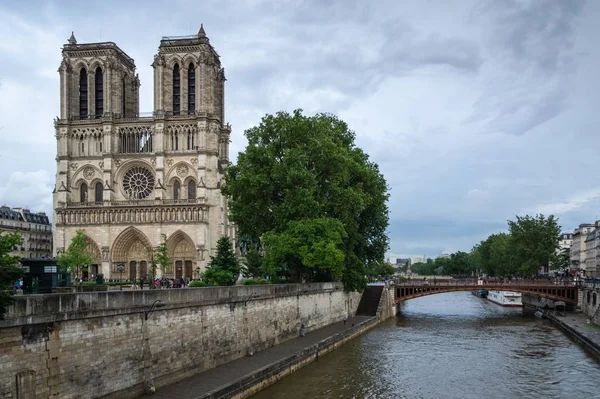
{"x":450,"y":346}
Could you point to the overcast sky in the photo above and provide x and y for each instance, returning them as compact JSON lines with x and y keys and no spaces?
{"x":475,"y":110}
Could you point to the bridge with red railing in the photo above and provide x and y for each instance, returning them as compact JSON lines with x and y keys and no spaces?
{"x":565,"y":291}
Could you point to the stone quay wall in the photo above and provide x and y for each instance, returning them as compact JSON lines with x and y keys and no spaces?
{"x":107,"y":344}
{"x":590,"y":303}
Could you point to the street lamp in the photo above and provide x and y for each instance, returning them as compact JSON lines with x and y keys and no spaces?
{"x":121,"y":269}
{"x":156,"y":304}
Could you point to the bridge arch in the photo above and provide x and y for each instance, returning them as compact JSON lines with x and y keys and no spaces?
{"x":565,"y":293}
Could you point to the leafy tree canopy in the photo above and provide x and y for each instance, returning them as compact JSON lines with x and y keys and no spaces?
{"x":298,"y":168}
{"x":10,"y":270}
{"x":77,"y":257}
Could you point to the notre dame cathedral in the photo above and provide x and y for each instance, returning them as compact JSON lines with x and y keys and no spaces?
{"x":125,"y":178}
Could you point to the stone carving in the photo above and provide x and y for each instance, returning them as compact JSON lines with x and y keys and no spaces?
{"x":101,"y":164}
{"x":182,"y":170}
{"x":169,"y":162}
{"x":74,"y":166}
{"x":194,"y":161}
{"x":88,"y":173}
{"x":137,"y":251}
{"x":138,"y":182}
{"x":105,"y":253}
{"x":117,"y":162}
{"x":153,"y":161}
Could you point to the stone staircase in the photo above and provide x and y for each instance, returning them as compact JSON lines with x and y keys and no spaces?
{"x":369,"y":301}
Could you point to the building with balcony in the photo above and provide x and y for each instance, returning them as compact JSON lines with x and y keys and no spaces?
{"x":127,"y":179}
{"x":578,"y":247}
{"x":34,"y":228}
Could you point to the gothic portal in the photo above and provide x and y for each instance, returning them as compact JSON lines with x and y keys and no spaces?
{"x":127,"y":179}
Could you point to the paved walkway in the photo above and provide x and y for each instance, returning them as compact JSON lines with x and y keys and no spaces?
{"x":578,"y":321}
{"x":224,"y":374}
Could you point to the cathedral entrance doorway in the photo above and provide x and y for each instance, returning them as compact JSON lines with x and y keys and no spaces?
{"x":133,"y":249}
{"x":181,"y":251}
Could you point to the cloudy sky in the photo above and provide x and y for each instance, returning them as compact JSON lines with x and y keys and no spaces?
{"x":475,"y":110}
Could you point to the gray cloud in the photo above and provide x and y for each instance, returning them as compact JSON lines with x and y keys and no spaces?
{"x":474,"y":113}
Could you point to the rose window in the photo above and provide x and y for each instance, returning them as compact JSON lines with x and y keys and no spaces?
{"x":138,"y":182}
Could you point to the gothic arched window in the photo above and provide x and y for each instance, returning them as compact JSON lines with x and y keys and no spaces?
{"x":83,"y":94}
{"x":99,"y":93}
{"x":176,"y":89}
{"x":191,"y":189}
{"x":191,"y":89}
{"x":123,"y":96}
{"x":99,"y":190}
{"x":594,"y":299}
{"x":176,"y":189}
{"x":83,"y":192}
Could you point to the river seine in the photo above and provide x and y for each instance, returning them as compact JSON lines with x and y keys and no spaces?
{"x":450,"y":346}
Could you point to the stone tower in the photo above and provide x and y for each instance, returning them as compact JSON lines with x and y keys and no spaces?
{"x":127,"y":179}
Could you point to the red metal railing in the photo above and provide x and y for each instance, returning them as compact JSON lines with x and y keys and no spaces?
{"x":485,"y":282}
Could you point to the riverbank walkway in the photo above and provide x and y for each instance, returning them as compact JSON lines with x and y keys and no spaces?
{"x":226,"y":374}
{"x":578,"y":323}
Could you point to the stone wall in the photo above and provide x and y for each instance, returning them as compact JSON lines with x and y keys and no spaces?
{"x":590,"y":303}
{"x":106,"y":343}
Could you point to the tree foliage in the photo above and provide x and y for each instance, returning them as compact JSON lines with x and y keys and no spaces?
{"x":305,"y":169}
{"x":76,"y":258}
{"x":10,"y":270}
{"x":161,"y":257}
{"x":224,"y":267}
{"x":253,"y":264}
{"x":308,"y":250}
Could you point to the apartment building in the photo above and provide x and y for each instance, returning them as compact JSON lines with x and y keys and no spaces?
{"x":35,"y":230}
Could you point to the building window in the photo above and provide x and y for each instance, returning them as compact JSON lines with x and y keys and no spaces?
{"x":123,"y":96}
{"x":99,"y":93}
{"x":176,"y":189}
{"x":191,"y":89}
{"x":588,"y":297}
{"x":83,"y":193}
{"x":176,"y":89}
{"x":594,"y":299}
{"x":191,"y":189}
{"x":83,"y":94}
{"x":99,"y":191}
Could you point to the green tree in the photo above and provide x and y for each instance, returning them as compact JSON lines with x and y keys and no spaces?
{"x":161,"y":257}
{"x":76,"y":258}
{"x":501,"y":257}
{"x":10,"y":270}
{"x":298,"y":168}
{"x":253,"y":264}
{"x":308,"y":250}
{"x":562,"y":261}
{"x":384,"y":269}
{"x":224,"y":268}
{"x":534,"y":240}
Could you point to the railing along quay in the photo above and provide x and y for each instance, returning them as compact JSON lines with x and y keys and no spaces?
{"x":474,"y":282}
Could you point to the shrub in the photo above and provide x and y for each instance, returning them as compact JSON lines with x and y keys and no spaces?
{"x":196,"y":284}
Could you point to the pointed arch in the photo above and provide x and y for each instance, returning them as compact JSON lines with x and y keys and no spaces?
{"x":83,"y":93}
{"x":176,"y":189}
{"x":99,"y":92}
{"x":176,"y":89}
{"x":131,"y":244}
{"x":182,"y":252}
{"x":191,"y":90}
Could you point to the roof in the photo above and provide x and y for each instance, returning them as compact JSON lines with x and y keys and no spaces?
{"x":23,"y":215}
{"x":7,"y":213}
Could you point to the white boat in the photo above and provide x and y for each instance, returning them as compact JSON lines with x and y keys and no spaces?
{"x":505,"y":298}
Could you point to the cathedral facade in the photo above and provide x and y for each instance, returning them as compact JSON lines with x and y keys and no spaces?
{"x":128,"y":179}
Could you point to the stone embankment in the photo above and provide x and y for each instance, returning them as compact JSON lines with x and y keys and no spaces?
{"x":578,"y":327}
{"x":111,"y":343}
{"x":244,"y":377}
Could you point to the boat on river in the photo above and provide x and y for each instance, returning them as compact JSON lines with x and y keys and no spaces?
{"x":480,"y":293}
{"x":505,"y":298}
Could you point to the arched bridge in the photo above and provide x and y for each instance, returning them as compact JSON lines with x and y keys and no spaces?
{"x":557,"y":291}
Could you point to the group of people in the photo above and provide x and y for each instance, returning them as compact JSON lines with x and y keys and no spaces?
{"x":162,"y":283}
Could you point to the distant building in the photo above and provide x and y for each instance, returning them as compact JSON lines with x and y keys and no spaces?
{"x":578,"y":247}
{"x":34,"y":228}
{"x":444,"y":256}
{"x":564,"y":247}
